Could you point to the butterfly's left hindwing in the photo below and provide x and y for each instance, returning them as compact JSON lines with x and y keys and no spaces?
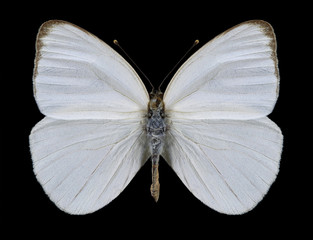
{"x":82,"y":165}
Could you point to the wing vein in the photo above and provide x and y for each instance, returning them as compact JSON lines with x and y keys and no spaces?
{"x":194,"y":168}
{"x":118,"y":167}
{"x":222,"y":176}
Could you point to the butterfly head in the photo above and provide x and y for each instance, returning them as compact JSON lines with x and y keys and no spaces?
{"x":156,"y":101}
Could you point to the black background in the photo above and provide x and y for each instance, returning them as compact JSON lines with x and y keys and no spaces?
{"x":156,"y":35}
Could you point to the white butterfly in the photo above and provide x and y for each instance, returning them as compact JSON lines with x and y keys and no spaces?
{"x":210,"y":125}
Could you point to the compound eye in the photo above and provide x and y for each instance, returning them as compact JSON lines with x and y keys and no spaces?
{"x":162,"y":114}
{"x":149,"y":114}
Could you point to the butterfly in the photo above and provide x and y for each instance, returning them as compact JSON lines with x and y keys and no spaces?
{"x":210,"y":125}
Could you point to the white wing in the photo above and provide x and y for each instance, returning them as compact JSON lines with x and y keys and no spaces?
{"x":228,"y":164}
{"x":77,"y":76}
{"x":83,"y":165}
{"x":234,"y":76}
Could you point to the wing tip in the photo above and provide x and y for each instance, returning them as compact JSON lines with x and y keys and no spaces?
{"x":43,"y":31}
{"x":268,"y":31}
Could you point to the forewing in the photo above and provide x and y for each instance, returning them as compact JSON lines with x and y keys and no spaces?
{"x":78,"y":76}
{"x":229,"y":165}
{"x":83,"y":165}
{"x":234,"y":76}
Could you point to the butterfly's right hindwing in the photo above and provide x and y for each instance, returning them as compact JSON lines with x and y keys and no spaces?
{"x":228,"y":164}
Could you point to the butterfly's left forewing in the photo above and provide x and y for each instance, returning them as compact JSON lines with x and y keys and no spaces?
{"x":78,"y":76}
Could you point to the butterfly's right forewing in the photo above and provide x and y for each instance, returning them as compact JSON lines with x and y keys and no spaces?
{"x":234,"y":76}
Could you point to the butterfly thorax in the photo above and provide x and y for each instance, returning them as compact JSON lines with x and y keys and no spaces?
{"x":156,"y":126}
{"x":156,"y":129}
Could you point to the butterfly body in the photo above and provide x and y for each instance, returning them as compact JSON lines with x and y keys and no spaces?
{"x":156,"y":131}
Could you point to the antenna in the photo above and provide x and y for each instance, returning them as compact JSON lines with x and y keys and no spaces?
{"x":194,"y":44}
{"x":117,"y":44}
